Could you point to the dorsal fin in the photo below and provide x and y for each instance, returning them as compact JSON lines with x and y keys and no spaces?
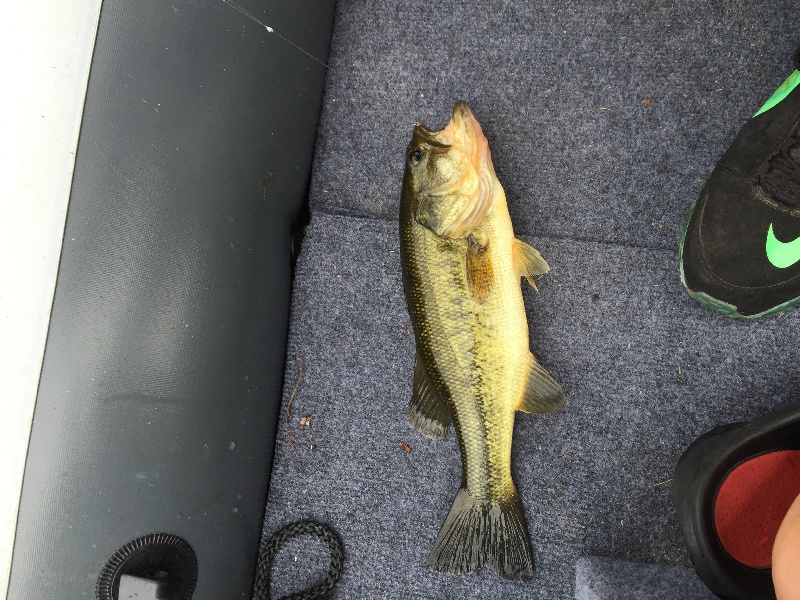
{"x":528,"y":262}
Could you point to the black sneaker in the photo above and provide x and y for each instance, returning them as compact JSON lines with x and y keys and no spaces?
{"x":740,"y":251}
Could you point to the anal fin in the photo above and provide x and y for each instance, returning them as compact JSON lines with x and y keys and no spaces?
{"x":528,"y":262}
{"x":428,"y":413}
{"x":542,"y":392}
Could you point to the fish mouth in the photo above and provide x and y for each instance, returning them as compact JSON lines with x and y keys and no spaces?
{"x":463,"y":129}
{"x":462,"y":116}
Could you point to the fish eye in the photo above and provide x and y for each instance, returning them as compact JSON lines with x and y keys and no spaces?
{"x":415,"y":157}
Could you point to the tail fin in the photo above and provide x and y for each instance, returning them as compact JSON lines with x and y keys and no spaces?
{"x":477,"y":533}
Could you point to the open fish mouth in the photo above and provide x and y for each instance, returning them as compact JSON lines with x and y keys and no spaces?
{"x":462,"y":116}
{"x":462,"y":128}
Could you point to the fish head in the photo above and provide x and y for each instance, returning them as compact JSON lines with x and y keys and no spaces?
{"x":449,"y":175}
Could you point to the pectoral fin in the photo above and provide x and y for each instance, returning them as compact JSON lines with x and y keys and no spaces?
{"x":428,"y":412}
{"x":480,"y":272}
{"x":528,"y":262}
{"x":542,"y":392}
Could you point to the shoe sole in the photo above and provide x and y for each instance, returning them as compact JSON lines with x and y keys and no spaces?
{"x":693,"y":498}
{"x":700,"y":471}
{"x":708,"y":301}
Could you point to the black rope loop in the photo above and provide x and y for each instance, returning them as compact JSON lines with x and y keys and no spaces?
{"x":323,"y":532}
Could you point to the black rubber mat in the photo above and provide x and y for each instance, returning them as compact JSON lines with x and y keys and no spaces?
{"x":163,"y":368}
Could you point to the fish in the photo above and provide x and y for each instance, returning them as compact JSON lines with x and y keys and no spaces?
{"x":462,"y":268}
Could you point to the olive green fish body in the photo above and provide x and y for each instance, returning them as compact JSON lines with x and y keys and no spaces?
{"x":476,"y":351}
{"x":461,"y":273}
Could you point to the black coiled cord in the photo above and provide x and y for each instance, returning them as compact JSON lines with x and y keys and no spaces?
{"x":323,"y":532}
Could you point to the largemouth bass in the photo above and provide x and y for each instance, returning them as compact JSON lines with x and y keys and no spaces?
{"x":461,"y":273}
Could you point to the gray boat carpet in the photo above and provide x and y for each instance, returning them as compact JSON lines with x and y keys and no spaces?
{"x":603,"y":119}
{"x":602,"y":116}
{"x":604,"y":579}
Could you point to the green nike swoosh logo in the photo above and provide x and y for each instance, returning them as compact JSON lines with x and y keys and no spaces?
{"x":780,"y":94}
{"x":782,"y":254}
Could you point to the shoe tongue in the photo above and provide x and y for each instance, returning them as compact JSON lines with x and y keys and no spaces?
{"x":780,"y":175}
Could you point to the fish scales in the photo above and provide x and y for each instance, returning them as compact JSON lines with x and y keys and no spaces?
{"x":461,"y":337}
